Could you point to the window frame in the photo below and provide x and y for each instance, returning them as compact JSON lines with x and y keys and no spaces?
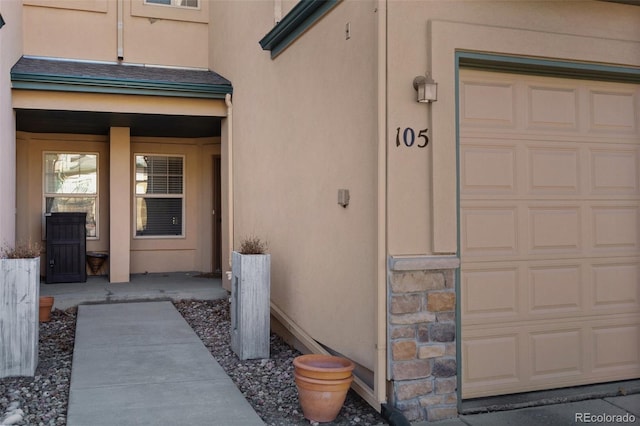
{"x":46,"y":194}
{"x":182,"y":195}
{"x":174,"y":3}
{"x":140,"y":8}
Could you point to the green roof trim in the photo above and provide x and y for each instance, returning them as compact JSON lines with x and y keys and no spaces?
{"x":119,"y":87}
{"x":546,"y":67}
{"x":76,"y":76}
{"x":295,"y":23}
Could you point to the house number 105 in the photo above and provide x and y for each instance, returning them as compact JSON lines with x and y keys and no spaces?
{"x":409,"y":137}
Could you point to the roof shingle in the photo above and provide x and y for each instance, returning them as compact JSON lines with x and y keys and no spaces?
{"x":118,"y":78}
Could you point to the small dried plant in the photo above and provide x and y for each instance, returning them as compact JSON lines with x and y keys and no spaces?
{"x":20,"y":251}
{"x":252,"y":245}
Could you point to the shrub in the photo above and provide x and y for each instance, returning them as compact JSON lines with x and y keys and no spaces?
{"x":20,"y":251}
{"x":252,"y":245}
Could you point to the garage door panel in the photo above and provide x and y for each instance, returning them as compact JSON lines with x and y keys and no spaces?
{"x":553,"y":108}
{"x":614,"y":170}
{"x":613,"y":111}
{"x":555,"y":229}
{"x":490,"y":230}
{"x":490,"y":293}
{"x":494,"y":360}
{"x":615,"y":286}
{"x":475,"y":111}
{"x":532,"y":356}
{"x":488,"y":169}
{"x":615,"y":347}
{"x":555,"y":290}
{"x":553,"y":171}
{"x":549,"y":232}
{"x":615,"y":228}
{"x":556,"y":353}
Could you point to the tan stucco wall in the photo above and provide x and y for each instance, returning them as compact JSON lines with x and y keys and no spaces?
{"x":88,"y":30}
{"x":106,"y":102}
{"x":423,"y":36}
{"x":11,"y":48}
{"x":318,"y":136}
{"x":30,"y":203}
{"x":192,"y":253}
{"x":290,"y":160}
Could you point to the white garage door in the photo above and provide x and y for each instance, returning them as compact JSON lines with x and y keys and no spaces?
{"x":550,"y":232}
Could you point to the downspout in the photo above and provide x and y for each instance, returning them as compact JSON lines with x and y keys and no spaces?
{"x":120,"y":29}
{"x":380,"y":367}
{"x":277,"y":12}
{"x":227,"y":100}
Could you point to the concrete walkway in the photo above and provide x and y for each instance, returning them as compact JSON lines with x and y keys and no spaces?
{"x":141,"y":364}
{"x":606,"y":411}
{"x":156,"y":286}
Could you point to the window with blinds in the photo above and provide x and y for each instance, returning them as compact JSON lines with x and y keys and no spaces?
{"x":177,"y":3}
{"x":159,"y":195}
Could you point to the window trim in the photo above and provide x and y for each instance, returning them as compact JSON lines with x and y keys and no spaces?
{"x":148,"y":3}
{"x":44,"y":193}
{"x":142,"y":9}
{"x":183,"y":196}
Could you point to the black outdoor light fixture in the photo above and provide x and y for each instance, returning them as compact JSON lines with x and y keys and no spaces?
{"x":1,"y":21}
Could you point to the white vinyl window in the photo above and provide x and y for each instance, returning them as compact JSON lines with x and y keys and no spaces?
{"x":177,"y":3}
{"x":71,"y":185}
{"x":159,"y":196}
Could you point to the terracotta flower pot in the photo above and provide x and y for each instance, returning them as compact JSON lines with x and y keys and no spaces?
{"x":321,"y":400}
{"x":46,"y":303}
{"x":95,"y":261}
{"x":326,"y":367}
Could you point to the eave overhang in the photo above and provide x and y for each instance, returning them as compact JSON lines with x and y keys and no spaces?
{"x":304,"y":15}
{"x":86,"y":77}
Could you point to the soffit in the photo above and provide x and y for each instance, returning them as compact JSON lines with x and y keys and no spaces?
{"x":99,"y":123}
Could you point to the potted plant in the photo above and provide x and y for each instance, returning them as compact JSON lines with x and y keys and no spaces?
{"x":250,"y":299}
{"x":322,"y":382}
{"x":45,"y":307}
{"x":19,"y":302}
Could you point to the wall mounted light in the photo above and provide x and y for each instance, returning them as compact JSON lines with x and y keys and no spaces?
{"x":427,"y":88}
{"x":1,"y":21}
{"x":343,"y":197}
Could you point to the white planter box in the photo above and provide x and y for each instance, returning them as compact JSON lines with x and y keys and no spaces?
{"x":19,"y":303}
{"x":250,"y":305}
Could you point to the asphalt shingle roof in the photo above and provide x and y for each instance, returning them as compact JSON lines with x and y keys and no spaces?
{"x":114,"y":75}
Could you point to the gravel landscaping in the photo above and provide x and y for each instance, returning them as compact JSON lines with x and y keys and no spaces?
{"x":267,"y":384}
{"x":42,"y":400}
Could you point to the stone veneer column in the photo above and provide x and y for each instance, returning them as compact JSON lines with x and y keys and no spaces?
{"x":421,"y":336}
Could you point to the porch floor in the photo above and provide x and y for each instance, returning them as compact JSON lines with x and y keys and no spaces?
{"x":151,"y":286}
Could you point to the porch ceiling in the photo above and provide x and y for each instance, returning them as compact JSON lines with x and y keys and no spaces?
{"x":98,"y":123}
